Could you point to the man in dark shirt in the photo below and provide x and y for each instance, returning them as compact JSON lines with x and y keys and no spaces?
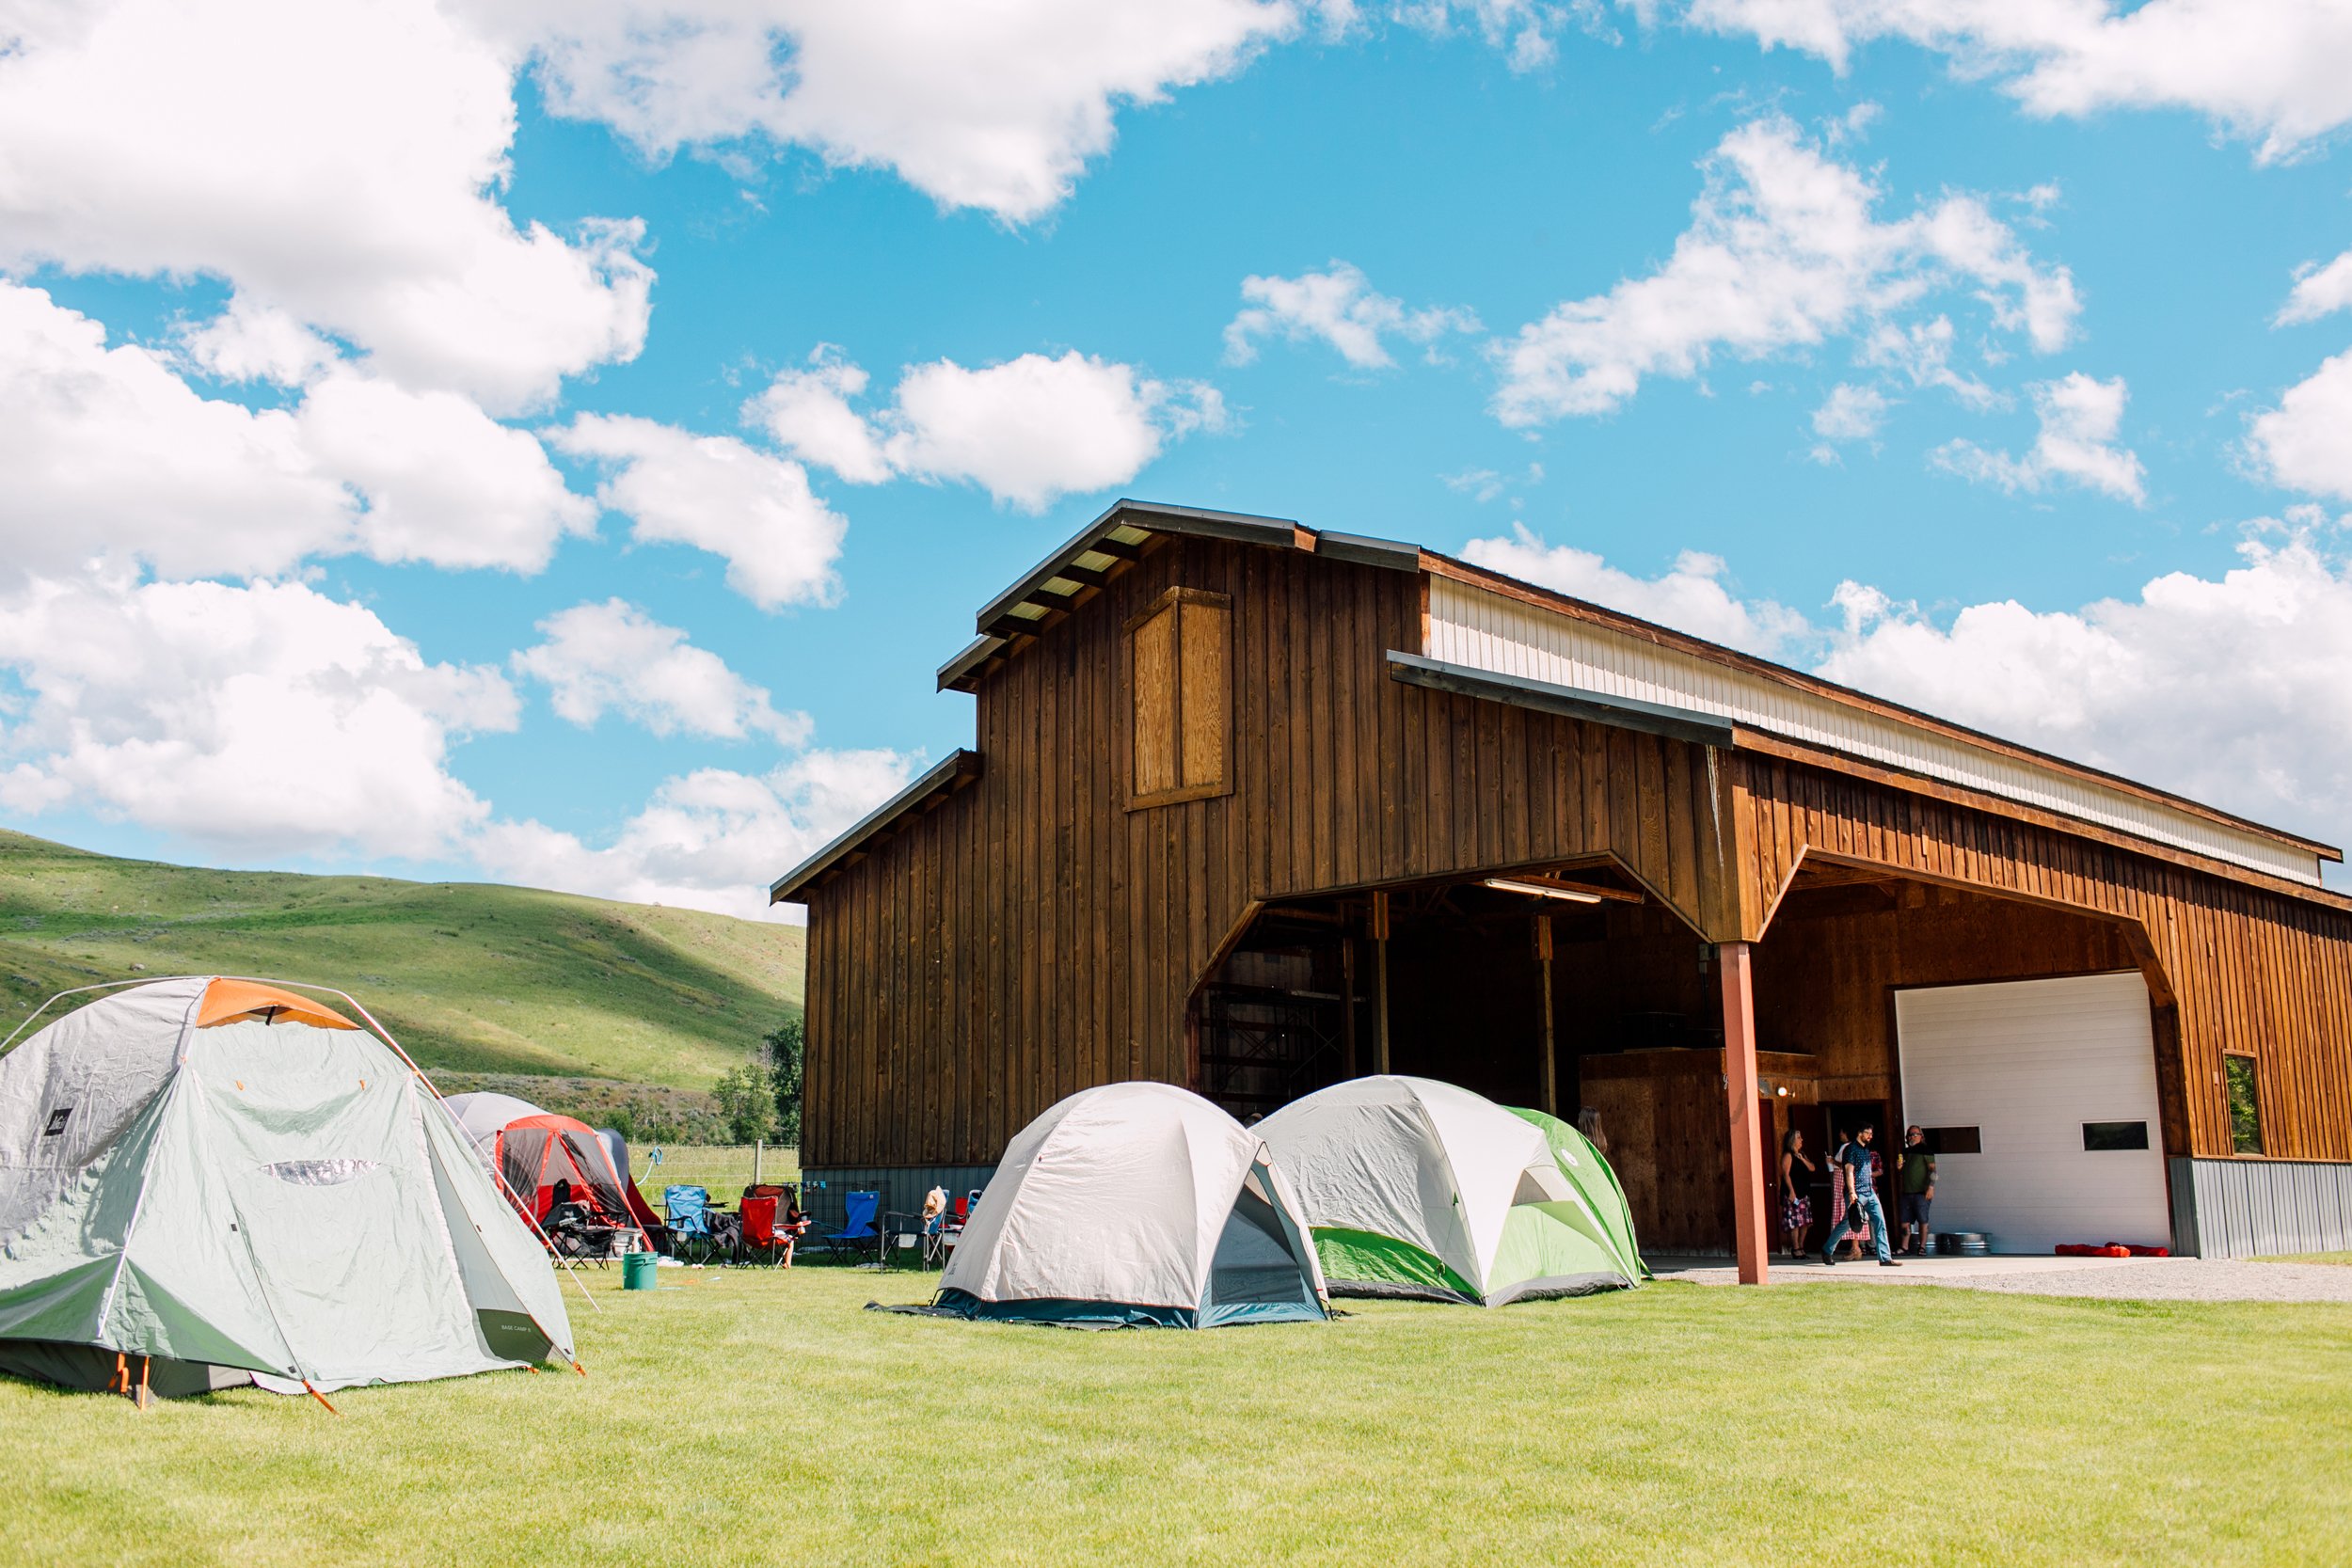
{"x":1852,"y":1167}
{"x":1915,"y":1170}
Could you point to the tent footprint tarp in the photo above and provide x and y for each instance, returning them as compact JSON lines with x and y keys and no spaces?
{"x":1418,"y":1188}
{"x":224,"y":1183}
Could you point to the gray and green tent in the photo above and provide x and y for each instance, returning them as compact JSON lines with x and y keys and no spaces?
{"x":1418,"y":1188}
{"x":1602,"y":1212}
{"x":210,"y":1181}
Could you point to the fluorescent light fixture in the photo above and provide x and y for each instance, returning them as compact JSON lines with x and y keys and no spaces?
{"x":1537,"y":890}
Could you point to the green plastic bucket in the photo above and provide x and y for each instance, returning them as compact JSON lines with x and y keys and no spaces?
{"x":638,"y":1270}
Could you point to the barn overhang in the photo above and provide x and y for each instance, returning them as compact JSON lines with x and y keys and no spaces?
{"x":1120,"y":535}
{"x":958,"y":768}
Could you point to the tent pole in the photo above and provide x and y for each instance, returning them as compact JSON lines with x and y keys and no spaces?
{"x":1379,"y":982}
{"x":1550,"y":1061}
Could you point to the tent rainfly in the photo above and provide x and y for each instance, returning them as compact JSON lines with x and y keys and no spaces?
{"x":1418,"y":1188}
{"x":206,"y":1182}
{"x":532,"y":1150}
{"x":1601,"y":1211}
{"x":1135,"y":1204}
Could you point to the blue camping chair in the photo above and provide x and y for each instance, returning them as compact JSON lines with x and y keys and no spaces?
{"x":862,"y":1209}
{"x":688,"y":1212}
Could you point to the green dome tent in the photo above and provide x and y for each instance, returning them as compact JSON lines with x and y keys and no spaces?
{"x":1602,"y":1213}
{"x":1418,"y":1188}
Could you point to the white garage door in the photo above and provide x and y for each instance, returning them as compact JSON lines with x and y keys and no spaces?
{"x":2057,"y":1079}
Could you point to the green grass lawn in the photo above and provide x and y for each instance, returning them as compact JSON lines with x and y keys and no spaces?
{"x":2309,"y":1257}
{"x":762,"y":1417}
{"x":468,"y":975}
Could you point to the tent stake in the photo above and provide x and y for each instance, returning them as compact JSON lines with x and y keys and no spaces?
{"x":321,"y":1397}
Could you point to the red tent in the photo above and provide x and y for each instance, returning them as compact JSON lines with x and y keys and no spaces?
{"x":536,"y":1152}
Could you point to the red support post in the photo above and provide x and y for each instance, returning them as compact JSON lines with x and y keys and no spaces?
{"x":1740,"y":1094}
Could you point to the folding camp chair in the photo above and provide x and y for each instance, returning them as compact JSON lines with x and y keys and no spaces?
{"x":761,"y":1233}
{"x":687,"y":1210}
{"x":862,"y":1209}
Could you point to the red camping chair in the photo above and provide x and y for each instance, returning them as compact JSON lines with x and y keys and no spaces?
{"x":765,"y":1229}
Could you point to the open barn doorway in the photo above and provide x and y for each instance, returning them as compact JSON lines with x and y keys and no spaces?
{"x":2034,"y":1044}
{"x":1608,"y":1001}
{"x":1502,"y":983}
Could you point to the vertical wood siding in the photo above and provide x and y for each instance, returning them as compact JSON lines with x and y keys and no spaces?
{"x":2249,"y":970}
{"x":1031,"y":936}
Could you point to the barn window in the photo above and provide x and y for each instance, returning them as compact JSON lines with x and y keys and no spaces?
{"x":1178,"y":651}
{"x":2246,"y":1109}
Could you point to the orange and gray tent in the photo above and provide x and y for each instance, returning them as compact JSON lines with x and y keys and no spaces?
{"x":208,"y":1181}
{"x":535,"y":1150}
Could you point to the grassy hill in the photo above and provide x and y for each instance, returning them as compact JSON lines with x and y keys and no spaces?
{"x":471,"y":977}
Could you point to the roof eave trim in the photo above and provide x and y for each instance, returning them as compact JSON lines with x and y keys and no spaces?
{"x":1156,"y":517}
{"x":975,"y":654}
{"x":1599,"y":707}
{"x":959,"y":767}
{"x":1699,"y":647}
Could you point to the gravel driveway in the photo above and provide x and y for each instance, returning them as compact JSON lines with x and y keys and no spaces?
{"x":2113,"y":1280}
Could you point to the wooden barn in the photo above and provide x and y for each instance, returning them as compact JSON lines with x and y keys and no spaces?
{"x":1254,"y":807}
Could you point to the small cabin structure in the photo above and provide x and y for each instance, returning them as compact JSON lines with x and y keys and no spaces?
{"x":1254,"y":807}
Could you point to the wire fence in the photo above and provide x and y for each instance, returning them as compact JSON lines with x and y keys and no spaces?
{"x":724,"y":1169}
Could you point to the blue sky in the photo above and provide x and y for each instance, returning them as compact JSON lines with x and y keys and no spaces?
{"x":590,"y":443}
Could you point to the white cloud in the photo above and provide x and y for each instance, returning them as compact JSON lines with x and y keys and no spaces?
{"x":441,"y":481}
{"x":337,"y":162}
{"x":109,"y":454}
{"x":808,"y":413}
{"x":755,"y":511}
{"x":2268,"y":68}
{"x":1340,"y":308}
{"x":2306,"y":442}
{"x":2319,"y":290}
{"x":265,"y":721}
{"x":1479,"y":484}
{"x":1527,"y":32}
{"x":614,"y":657}
{"x":1782,"y":252}
{"x":710,"y":839}
{"x":257,"y":342}
{"x":997,"y":106}
{"x":2080,"y":419}
{"x":2235,"y":691}
{"x":1690,"y":597}
{"x":1922,"y":352}
{"x":1850,"y":413}
{"x":1026,"y":431}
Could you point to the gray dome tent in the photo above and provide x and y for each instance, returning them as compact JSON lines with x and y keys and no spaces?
{"x":210,"y":1181}
{"x":1135,"y":1204}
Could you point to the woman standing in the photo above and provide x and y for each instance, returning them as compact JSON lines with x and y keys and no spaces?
{"x":1796,"y":1210}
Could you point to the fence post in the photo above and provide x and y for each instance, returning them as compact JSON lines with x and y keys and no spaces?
{"x":760,"y":1149}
